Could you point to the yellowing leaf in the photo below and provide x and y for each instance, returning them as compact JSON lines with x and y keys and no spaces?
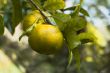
{"x":99,"y":37}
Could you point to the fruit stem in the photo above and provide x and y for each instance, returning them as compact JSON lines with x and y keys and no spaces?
{"x":45,"y":17}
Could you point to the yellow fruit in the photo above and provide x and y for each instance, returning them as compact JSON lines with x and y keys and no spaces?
{"x":46,"y":39}
{"x":31,"y":18}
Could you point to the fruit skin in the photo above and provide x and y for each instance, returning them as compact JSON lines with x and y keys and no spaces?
{"x":31,"y":18}
{"x":46,"y":39}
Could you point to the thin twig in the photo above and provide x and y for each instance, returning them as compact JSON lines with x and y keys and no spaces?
{"x":45,"y":17}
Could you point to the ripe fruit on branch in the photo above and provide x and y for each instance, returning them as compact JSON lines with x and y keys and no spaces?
{"x":31,"y":18}
{"x":46,"y":39}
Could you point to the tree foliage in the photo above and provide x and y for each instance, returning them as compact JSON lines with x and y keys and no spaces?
{"x":53,"y":12}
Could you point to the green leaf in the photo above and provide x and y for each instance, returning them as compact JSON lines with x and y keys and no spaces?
{"x":86,"y":37}
{"x":71,"y":40}
{"x":76,"y":23}
{"x":61,"y":19}
{"x":1,"y":25}
{"x":76,"y":55}
{"x":76,"y":11}
{"x":17,"y":14}
{"x":70,"y":8}
{"x":82,"y":10}
{"x":70,"y":57}
{"x":54,"y":4}
{"x":70,"y":31}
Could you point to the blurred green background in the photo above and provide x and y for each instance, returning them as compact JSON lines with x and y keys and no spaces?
{"x":17,"y":57}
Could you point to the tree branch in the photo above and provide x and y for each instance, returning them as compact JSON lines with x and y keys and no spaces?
{"x":45,"y":17}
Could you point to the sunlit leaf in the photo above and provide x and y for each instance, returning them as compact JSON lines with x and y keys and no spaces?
{"x":54,"y":4}
{"x":61,"y":19}
{"x":1,"y":25}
